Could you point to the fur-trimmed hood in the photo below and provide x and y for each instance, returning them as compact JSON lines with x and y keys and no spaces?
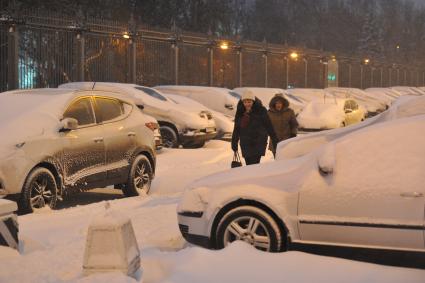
{"x":276,"y":98}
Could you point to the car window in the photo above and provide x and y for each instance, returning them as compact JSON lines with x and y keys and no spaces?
{"x":151,"y":92}
{"x":347,"y":105}
{"x":234,"y":94}
{"x":354,"y":105}
{"x":82,"y":111}
{"x":109,"y":109}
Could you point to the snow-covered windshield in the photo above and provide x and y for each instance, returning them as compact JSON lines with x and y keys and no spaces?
{"x":151,"y":92}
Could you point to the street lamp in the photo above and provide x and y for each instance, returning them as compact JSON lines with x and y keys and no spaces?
{"x":126,"y":35}
{"x":366,"y":61}
{"x":294,"y":55}
{"x":224,"y":45}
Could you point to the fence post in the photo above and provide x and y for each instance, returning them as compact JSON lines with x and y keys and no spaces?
{"x":361,"y":76}
{"x":239,"y":53}
{"x":211,"y":63}
{"x":13,"y":57}
{"x":266,"y":73}
{"x":349,"y":74}
{"x":132,"y":27}
{"x":305,"y":71}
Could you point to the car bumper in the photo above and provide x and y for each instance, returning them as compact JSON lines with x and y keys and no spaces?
{"x":197,"y":137}
{"x":227,"y":136}
{"x":193,"y":230}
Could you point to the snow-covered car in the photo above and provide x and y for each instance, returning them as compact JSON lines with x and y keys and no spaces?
{"x":407,"y":90}
{"x":405,"y":106}
{"x":266,"y":94}
{"x":178,"y":125}
{"x":219,"y":99}
{"x":330,"y":113}
{"x":55,"y":141}
{"x":224,"y":123}
{"x":370,"y":104}
{"x":364,"y":190}
{"x":307,"y":95}
{"x":386,"y":95}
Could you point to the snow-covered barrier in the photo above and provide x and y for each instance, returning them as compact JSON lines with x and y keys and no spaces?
{"x":111,"y":246}
{"x":8,"y":224}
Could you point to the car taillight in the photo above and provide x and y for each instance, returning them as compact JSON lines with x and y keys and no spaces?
{"x":152,"y":126}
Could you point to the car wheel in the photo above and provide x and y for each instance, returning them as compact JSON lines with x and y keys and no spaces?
{"x":39,"y":190}
{"x":251,"y":225}
{"x":140,"y":177}
{"x":169,"y":137}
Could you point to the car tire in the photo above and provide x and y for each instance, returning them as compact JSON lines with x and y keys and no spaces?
{"x":169,"y":137}
{"x":39,"y":190}
{"x":140,"y":177}
{"x":235,"y":224}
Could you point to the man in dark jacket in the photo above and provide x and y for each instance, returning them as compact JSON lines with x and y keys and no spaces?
{"x":283,"y":119}
{"x":252,"y":127}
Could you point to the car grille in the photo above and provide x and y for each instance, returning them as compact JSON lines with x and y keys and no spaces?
{"x":184,"y":229}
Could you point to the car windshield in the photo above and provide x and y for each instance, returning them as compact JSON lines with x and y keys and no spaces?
{"x":234,"y":94}
{"x":151,"y":92}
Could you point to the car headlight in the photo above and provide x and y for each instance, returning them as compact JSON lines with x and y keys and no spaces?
{"x":194,"y":200}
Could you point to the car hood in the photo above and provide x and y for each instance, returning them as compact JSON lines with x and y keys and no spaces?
{"x":269,"y":175}
{"x":22,"y":128}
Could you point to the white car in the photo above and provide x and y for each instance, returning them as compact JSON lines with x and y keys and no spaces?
{"x":407,"y":90}
{"x":219,"y":99}
{"x":330,"y":113}
{"x":371,"y":105}
{"x":266,"y":94}
{"x":386,"y":95}
{"x":57,"y":141}
{"x":364,"y":190}
{"x":178,"y":125}
{"x":405,"y":106}
{"x":223,"y":123}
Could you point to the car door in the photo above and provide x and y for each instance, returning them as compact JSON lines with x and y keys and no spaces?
{"x":84,"y":148}
{"x":119,"y":136}
{"x":374,"y":200}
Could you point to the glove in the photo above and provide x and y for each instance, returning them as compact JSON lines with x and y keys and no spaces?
{"x":234,"y":146}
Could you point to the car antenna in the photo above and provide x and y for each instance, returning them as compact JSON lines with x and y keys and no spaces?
{"x":93,"y":86}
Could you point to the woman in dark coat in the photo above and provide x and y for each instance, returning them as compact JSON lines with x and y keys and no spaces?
{"x":252,"y":128}
{"x":283,"y":119}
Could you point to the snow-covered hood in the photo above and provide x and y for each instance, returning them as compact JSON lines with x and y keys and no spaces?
{"x":317,"y":115}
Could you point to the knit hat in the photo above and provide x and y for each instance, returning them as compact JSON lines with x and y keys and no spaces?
{"x":247,"y":94}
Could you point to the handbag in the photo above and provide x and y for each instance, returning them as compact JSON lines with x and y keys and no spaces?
{"x":236,"y":160}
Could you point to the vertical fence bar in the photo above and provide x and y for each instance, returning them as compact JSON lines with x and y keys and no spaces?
{"x":13,"y":57}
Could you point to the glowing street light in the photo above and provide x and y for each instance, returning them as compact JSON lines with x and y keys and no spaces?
{"x":294,"y":55}
{"x":366,"y":61}
{"x":224,"y":45}
{"x":126,"y":35}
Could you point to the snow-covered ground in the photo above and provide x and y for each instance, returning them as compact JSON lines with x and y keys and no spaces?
{"x":52,"y":242}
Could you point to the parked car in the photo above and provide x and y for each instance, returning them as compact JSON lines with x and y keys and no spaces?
{"x":330,"y":113}
{"x":371,"y":105}
{"x":307,"y":95}
{"x":55,"y":141}
{"x":219,"y":99}
{"x":178,"y":125}
{"x":266,"y":94}
{"x":407,"y":90}
{"x":224,"y":124}
{"x":362,"y":191}
{"x":405,"y":106}
{"x":386,"y":95}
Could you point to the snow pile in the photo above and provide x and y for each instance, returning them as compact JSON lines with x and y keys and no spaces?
{"x":321,"y":115}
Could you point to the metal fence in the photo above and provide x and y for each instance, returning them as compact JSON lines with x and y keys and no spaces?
{"x":41,"y":49}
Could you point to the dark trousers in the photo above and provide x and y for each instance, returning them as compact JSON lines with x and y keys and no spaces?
{"x":252,"y":159}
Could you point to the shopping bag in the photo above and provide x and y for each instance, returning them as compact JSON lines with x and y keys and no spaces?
{"x":236,"y":160}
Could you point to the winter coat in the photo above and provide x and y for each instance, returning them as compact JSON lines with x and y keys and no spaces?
{"x":252,"y":137}
{"x":284,"y":122}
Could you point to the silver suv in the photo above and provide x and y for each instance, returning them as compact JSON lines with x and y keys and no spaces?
{"x":55,"y":141}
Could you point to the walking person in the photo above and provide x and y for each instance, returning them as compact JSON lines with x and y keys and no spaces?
{"x":252,"y":128}
{"x":283,"y":119}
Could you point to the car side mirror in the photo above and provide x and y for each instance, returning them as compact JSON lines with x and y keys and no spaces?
{"x":140,"y":106}
{"x":68,"y":124}
{"x":347,"y":111}
{"x":326,"y":161}
{"x":229,"y":106}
